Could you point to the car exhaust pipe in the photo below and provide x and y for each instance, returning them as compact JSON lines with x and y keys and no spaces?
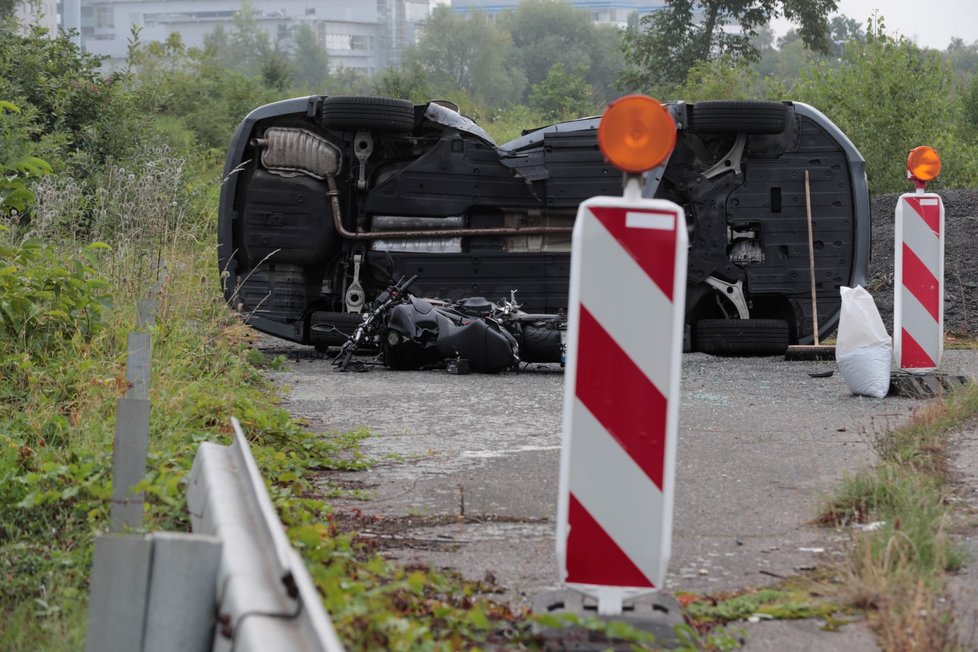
{"x":334,"y":194}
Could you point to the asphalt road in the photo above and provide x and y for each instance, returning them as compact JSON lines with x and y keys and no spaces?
{"x":468,"y":466}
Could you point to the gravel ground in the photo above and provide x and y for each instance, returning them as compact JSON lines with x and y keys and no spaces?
{"x":960,"y":270}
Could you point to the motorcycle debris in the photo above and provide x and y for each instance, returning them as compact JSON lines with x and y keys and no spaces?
{"x":822,"y":374}
{"x":458,"y":367}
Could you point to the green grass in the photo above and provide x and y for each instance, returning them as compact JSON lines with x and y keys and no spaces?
{"x":898,"y":569}
{"x":55,"y":480}
{"x":63,"y":330}
{"x":57,"y":423}
{"x":781,"y":603}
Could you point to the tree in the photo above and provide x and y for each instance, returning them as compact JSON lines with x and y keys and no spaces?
{"x":245,"y":47}
{"x":785,"y":64}
{"x":963,"y":56}
{"x":763,"y":40}
{"x":550,"y":32}
{"x":719,"y":79}
{"x":190,"y":93}
{"x":890,"y":96}
{"x":670,"y":41}
{"x":562,"y":95}
{"x":409,"y":82}
{"x":842,"y":30}
{"x":970,"y":106}
{"x":349,"y":81}
{"x":48,"y":77}
{"x":470,"y":54}
{"x":18,"y":165}
{"x":276,"y":70}
{"x":309,"y":59}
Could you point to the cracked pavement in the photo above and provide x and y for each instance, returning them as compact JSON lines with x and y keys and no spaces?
{"x":469,"y":465}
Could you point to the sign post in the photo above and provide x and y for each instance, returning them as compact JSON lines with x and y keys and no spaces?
{"x":918,"y":297}
{"x":621,"y":389}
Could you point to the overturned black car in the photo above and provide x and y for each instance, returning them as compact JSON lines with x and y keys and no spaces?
{"x":328,"y":199}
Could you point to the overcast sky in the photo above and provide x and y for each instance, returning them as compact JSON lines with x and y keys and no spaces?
{"x":930,"y":24}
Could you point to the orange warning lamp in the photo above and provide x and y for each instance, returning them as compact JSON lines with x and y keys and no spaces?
{"x":636,"y":133}
{"x":923,"y":165}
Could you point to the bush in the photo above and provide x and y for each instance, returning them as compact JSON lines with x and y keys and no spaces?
{"x":562,"y":94}
{"x":18,"y":161}
{"x":890,"y":96}
{"x":68,"y":96}
{"x":719,"y":79}
{"x":46,"y":299}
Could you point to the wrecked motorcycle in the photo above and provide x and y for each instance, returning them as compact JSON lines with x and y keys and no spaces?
{"x":373,"y":323}
{"x":471,"y":334}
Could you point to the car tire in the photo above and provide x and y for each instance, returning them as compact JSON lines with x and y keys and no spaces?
{"x":733,"y":117}
{"x":742,"y":337}
{"x":353,"y":113}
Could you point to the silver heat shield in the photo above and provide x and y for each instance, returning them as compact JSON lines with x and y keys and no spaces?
{"x":289,"y":152}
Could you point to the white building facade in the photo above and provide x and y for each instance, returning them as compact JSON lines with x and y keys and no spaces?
{"x":603,"y":12}
{"x":44,"y":13}
{"x":365,"y":35}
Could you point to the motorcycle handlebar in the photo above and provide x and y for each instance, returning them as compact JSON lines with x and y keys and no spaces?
{"x":396,"y":289}
{"x":406,"y":284}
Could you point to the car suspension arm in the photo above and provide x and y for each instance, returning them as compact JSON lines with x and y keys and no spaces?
{"x":734,"y":292}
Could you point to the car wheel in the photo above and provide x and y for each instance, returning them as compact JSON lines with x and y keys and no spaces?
{"x":732,"y":117}
{"x":742,"y":337}
{"x":341,"y":112}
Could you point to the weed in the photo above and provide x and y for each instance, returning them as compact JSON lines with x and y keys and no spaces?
{"x":64,"y":313}
{"x":718,"y":639}
{"x":921,"y":444}
{"x":960,"y":341}
{"x":56,"y":429}
{"x":897,"y":570}
{"x":802,"y":596}
{"x":572,"y":629}
{"x":777,"y":603}
{"x":908,"y":617}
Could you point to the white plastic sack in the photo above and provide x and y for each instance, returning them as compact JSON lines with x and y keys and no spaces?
{"x":863,"y":349}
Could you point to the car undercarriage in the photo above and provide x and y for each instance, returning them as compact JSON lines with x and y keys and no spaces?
{"x":327,"y":199}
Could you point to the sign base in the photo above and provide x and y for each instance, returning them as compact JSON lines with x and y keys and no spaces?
{"x":654,"y":613}
{"x":924,"y":385}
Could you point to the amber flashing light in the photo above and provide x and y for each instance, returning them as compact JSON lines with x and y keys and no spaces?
{"x":636,"y":133}
{"x":924,"y":164}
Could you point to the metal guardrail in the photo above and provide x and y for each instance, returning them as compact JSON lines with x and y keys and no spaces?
{"x":132,"y":425}
{"x":153,"y":593}
{"x":235,"y":584}
{"x":266,"y":598}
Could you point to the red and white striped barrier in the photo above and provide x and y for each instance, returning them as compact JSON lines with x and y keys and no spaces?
{"x":621,"y":396}
{"x":918,"y":297}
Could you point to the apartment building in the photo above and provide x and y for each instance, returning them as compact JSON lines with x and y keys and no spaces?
{"x":364,"y":35}
{"x":605,"y":12}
